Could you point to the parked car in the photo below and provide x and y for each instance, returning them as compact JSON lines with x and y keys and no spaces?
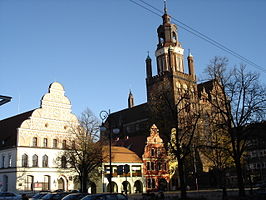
{"x":9,"y":196}
{"x":114,"y":196}
{"x":75,"y":196}
{"x":55,"y":196}
{"x":38,"y":196}
{"x":261,"y":190}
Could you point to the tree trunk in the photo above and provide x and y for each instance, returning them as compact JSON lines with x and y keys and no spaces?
{"x":83,"y":182}
{"x":182,"y":178}
{"x":240,"y":181}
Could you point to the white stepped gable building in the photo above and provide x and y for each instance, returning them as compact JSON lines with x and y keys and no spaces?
{"x":31,"y":142}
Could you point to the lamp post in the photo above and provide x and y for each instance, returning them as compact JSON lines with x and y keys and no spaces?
{"x":104,"y":115}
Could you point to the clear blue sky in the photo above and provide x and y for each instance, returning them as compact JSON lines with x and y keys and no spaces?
{"x":97,"y":48}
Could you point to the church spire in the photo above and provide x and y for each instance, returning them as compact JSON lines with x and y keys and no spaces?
{"x":168,"y":39}
{"x":148,"y":67}
{"x":130,"y":100}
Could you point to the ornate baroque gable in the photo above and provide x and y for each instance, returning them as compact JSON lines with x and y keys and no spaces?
{"x":52,"y":120}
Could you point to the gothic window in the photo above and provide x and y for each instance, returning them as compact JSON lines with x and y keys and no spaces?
{"x":63,"y":162}
{"x":45,"y":142}
{"x":45,"y":161}
{"x":34,"y":160}
{"x":54,"y":143}
{"x":34,"y":142}
{"x":24,"y":160}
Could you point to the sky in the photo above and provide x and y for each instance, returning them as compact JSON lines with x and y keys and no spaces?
{"x":97,"y":48}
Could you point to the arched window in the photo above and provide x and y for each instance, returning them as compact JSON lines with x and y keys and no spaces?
{"x":174,"y":38}
{"x":54,"y":143}
{"x":46,"y":183}
{"x":45,"y":161}
{"x":45,"y":142}
{"x":25,"y":160}
{"x":64,"y":144}
{"x":34,"y":142}
{"x":63,"y":162}
{"x":34,"y":160}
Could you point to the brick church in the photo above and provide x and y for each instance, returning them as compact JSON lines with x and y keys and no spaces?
{"x":173,"y":87}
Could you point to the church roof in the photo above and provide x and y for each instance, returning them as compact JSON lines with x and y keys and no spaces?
{"x":130,"y":114}
{"x":9,"y":128}
{"x":121,"y":155}
{"x":135,"y":143}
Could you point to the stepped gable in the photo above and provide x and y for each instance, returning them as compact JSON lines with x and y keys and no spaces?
{"x":9,"y":127}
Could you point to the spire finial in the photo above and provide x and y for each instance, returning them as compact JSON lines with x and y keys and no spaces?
{"x":165,"y":7}
{"x":189,"y":53}
{"x":148,"y":56}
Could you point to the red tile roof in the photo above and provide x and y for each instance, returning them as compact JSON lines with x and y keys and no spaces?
{"x":121,"y":155}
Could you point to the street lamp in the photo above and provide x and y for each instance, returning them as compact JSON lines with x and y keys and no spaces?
{"x":104,"y":115}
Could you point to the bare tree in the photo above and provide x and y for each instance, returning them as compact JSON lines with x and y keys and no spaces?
{"x":238,"y":100}
{"x":84,"y":154}
{"x":181,"y":116}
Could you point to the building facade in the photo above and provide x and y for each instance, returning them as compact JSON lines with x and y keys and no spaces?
{"x":32,"y":143}
{"x":155,"y":161}
{"x":130,"y":180}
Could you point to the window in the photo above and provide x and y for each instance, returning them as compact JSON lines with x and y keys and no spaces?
{"x":29,"y":183}
{"x":24,"y":160}
{"x":151,"y":183}
{"x":152,"y":152}
{"x":159,"y":166}
{"x":148,"y":166}
{"x":35,"y":161}
{"x":64,"y":144}
{"x":54,"y":143}
{"x":164,"y":166}
{"x":45,"y":142}
{"x":152,"y":166}
{"x":3,"y":161}
{"x":136,"y":170}
{"x":9,"y":160}
{"x":46,"y":183}
{"x":45,"y":161}
{"x":63,"y":162}
{"x":34,"y":142}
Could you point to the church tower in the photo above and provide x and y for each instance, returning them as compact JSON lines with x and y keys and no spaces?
{"x":171,"y":79}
